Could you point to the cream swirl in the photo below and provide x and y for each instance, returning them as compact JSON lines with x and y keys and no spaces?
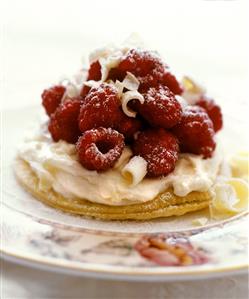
{"x":57,"y":167}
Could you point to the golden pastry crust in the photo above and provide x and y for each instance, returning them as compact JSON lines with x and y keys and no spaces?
{"x":164,"y":205}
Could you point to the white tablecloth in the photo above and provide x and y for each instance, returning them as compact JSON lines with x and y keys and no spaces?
{"x":45,"y":39}
{"x":20,"y":282}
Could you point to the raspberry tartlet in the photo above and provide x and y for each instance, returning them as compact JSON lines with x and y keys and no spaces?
{"x":125,"y":139}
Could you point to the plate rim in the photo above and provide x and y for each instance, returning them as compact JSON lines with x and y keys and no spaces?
{"x":120,"y":272}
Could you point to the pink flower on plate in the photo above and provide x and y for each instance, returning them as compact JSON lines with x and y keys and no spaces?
{"x":170,"y":251}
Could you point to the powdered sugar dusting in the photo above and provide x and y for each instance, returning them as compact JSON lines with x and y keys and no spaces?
{"x":161,"y":109}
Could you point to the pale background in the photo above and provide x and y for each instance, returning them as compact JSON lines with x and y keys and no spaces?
{"x":43,"y":40}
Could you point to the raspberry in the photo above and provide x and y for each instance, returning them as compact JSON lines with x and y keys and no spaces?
{"x":195,"y":132}
{"x":51,"y":98}
{"x":94,"y":73}
{"x":148,"y":68}
{"x":159,"y":148}
{"x":100,"y":108}
{"x":213,"y":111}
{"x":99,"y":149}
{"x":64,"y":121}
{"x":160,"y":108}
{"x":171,"y":82}
{"x":84,"y":91}
{"x":116,"y":74}
{"x":128,"y":126}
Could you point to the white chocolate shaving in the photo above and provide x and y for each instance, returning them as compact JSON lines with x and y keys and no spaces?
{"x":92,"y":83}
{"x":107,"y":64}
{"x":135,"y":170}
{"x":73,"y":85}
{"x":124,"y":159}
{"x":128,"y":96}
{"x":200,"y":221}
{"x":72,"y":90}
{"x":108,"y":57}
{"x":230,"y":198}
{"x":80,"y":77}
{"x":240,"y":165}
{"x":192,"y":90}
{"x":102,"y":52}
{"x":119,"y":86}
{"x":130,"y":82}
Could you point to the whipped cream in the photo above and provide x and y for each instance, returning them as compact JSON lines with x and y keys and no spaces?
{"x":57,"y":168}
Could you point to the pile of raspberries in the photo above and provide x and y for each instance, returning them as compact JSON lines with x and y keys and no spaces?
{"x":162,"y":128}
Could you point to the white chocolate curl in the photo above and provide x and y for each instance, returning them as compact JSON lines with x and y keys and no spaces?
{"x":192,"y":90}
{"x":135,"y":170}
{"x":130,"y":82}
{"x":119,"y":85}
{"x":73,"y":85}
{"x":200,"y":221}
{"x":240,"y":165}
{"x":128,"y":96}
{"x":92,"y":83}
{"x":72,"y":90}
{"x":231,"y":197}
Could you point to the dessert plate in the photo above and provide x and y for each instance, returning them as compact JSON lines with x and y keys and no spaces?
{"x":164,"y":249}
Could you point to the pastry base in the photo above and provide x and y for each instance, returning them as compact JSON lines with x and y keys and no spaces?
{"x":164,"y":205}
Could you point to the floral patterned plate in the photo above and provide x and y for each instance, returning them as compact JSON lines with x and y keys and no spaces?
{"x":163,"y":249}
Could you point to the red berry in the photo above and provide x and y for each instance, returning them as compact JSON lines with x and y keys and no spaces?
{"x":195,"y":132}
{"x":100,"y":108}
{"x":148,"y":68}
{"x":160,"y":108}
{"x":84,"y":91}
{"x":213,"y":111}
{"x":116,"y":74}
{"x":99,"y":149}
{"x":128,"y":126}
{"x":51,"y":98}
{"x":94,"y":73}
{"x":64,"y":121}
{"x":171,"y":82}
{"x":159,"y":148}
